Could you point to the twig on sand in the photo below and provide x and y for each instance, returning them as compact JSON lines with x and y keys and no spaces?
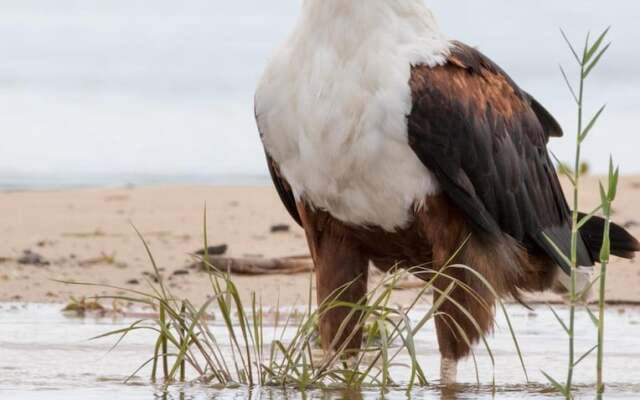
{"x":259,"y":266}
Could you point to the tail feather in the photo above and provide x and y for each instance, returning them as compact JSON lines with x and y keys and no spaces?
{"x":623,"y":244}
{"x":558,"y":238}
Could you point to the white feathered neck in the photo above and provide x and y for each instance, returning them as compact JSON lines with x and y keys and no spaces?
{"x":332,"y":107}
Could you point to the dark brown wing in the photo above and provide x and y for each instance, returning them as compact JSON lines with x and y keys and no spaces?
{"x":485,"y":140}
{"x":284,"y":190}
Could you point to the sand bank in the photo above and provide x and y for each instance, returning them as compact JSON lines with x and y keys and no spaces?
{"x":86,"y":235}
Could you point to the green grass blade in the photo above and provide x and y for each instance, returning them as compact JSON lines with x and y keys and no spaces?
{"x":556,"y":385}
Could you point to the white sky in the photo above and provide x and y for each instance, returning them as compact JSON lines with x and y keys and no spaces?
{"x":161,"y":87}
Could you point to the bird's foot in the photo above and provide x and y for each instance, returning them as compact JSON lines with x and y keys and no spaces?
{"x":448,"y":371}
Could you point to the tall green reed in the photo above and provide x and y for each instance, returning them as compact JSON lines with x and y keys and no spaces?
{"x":587,"y":60}
{"x":607,"y":198}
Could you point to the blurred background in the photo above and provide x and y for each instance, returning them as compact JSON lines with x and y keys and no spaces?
{"x":104,"y":93}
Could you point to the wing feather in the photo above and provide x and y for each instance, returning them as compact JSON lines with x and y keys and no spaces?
{"x":485,"y":140}
{"x":284,"y":190}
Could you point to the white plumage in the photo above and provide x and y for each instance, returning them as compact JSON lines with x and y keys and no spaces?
{"x":332,"y":107}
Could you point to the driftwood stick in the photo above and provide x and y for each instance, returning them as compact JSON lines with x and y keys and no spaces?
{"x":260,"y":266}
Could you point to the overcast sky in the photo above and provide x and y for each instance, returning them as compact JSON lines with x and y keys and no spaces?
{"x":92,"y":88}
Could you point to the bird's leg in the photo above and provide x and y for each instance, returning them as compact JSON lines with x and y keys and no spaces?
{"x":448,"y":371}
{"x":466,"y":313}
{"x":452,"y":346}
{"x":341,"y":275}
{"x":461,"y":320}
{"x":341,"y":269}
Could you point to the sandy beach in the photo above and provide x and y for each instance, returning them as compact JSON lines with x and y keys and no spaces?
{"x":85,"y":235}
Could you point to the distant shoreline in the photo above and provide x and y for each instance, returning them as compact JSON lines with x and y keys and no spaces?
{"x":29,"y":184}
{"x":22,"y":183}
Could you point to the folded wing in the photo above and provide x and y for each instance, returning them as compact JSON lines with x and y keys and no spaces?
{"x":485,"y":140}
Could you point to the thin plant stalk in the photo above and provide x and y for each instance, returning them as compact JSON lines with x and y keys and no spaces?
{"x":607,"y":198}
{"x":163,"y":341}
{"x":574,"y":238}
{"x":601,"y":310}
{"x":183,"y":340}
{"x":587,"y":61}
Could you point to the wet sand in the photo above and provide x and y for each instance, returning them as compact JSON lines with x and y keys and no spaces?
{"x":86,"y":236}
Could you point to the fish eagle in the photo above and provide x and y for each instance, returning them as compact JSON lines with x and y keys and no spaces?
{"x":393,"y":145}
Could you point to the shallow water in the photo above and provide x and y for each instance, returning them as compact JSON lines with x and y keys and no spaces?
{"x":44,"y":354}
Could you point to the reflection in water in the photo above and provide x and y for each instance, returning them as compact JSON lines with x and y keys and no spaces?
{"x":460,"y":392}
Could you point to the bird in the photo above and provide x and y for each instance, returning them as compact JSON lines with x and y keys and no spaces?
{"x":392,"y":145}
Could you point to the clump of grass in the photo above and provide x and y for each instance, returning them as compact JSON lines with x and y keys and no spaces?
{"x":289,"y":355}
{"x":81,"y":307}
{"x":587,"y":61}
